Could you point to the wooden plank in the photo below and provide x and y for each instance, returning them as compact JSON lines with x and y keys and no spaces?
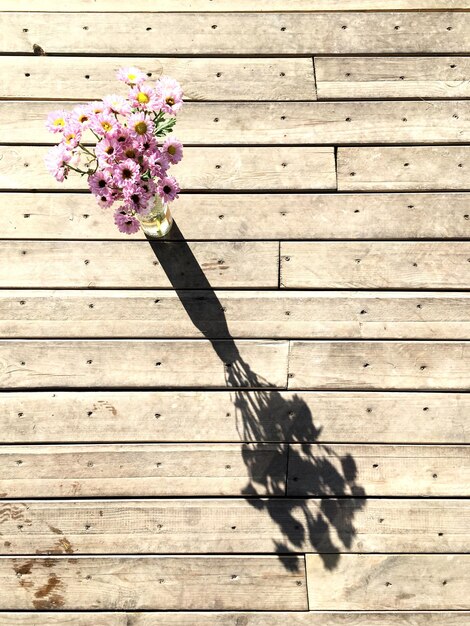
{"x":183,"y":583}
{"x":375,"y":470}
{"x":379,"y":365}
{"x":331,"y":527}
{"x":404,"y":582}
{"x":228,"y":33}
{"x":22,"y":167}
{"x":143,"y":470}
{"x":398,"y":169}
{"x":202,"y":78}
{"x":213,"y":618}
{"x":278,"y":122}
{"x":370,"y":265}
{"x":214,"y":6}
{"x":238,"y":314}
{"x":393,"y":77}
{"x":159,"y":363}
{"x":251,"y":216}
{"x":159,"y":265}
{"x":213,"y":416}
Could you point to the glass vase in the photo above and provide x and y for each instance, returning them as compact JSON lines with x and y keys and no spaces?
{"x":158,"y":221}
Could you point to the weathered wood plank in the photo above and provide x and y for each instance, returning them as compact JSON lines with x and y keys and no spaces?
{"x":141,"y":470}
{"x":213,"y":618}
{"x":278,"y":122}
{"x":238,"y":5}
{"x":393,"y":77}
{"x":202,"y":78}
{"x":404,"y":582}
{"x":183,"y":583}
{"x":251,"y":216}
{"x":375,"y":470}
{"x":246,"y":314}
{"x":232,"y":525}
{"x":22,"y":167}
{"x":370,"y":265}
{"x":159,"y":363}
{"x":162,"y":264}
{"x":398,"y":169}
{"x":226,"y":33}
{"x":379,"y":365}
{"x":208,"y":416}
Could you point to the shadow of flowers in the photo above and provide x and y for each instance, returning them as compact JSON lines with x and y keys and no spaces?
{"x":318,"y":514}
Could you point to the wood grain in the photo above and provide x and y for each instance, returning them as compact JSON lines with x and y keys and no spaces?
{"x":371,"y":265}
{"x":239,"y":123}
{"x":22,"y":167}
{"x":235,"y":6}
{"x":202,"y":78}
{"x":397,"y":365}
{"x":141,"y":470}
{"x":214,"y":618}
{"x":158,"y":363}
{"x":203,"y":33}
{"x":120,"y":583}
{"x":213,"y":416}
{"x":394,"y":77}
{"x":262,"y":314}
{"x":251,"y":216}
{"x":178,"y":265}
{"x":398,"y":582}
{"x":398,"y":169}
{"x":234,"y":526}
{"x":374,"y":470}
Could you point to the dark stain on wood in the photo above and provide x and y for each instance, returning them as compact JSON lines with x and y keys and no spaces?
{"x":53,"y":583}
{"x":48,"y":596}
{"x":55,"y":530}
{"x":24,"y":569}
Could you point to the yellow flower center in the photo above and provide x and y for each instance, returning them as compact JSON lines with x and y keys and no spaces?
{"x":83,"y":118}
{"x":130,"y":153}
{"x":170,"y":101}
{"x":106,"y":126}
{"x":69,"y":137}
{"x":131,"y":76}
{"x":142,"y":97}
{"x":59,"y":121}
{"x":140,"y":128}
{"x":172,"y":150}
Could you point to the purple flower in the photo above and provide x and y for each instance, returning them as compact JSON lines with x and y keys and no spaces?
{"x":168,"y":189}
{"x":99,"y":183}
{"x":126,"y":173}
{"x":173,"y":149}
{"x":170,"y":95}
{"x":56,"y":161}
{"x":126,"y":222}
{"x":56,"y":121}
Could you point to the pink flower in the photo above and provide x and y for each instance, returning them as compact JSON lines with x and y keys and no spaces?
{"x":170,"y":94}
{"x":168,"y":189}
{"x":144,"y":98}
{"x":104,"y":124}
{"x":158,"y":164}
{"x":137,"y":197}
{"x":130,"y":75}
{"x":116,"y":104}
{"x":72,"y":133}
{"x":56,"y":121}
{"x":126,"y":173}
{"x":81,"y":115}
{"x":99,"y":182}
{"x":126,"y":222}
{"x":96,"y":107}
{"x":56,"y":161}
{"x":173,"y":149}
{"x":108,"y":150}
{"x":106,"y":199}
{"x":140,"y":126}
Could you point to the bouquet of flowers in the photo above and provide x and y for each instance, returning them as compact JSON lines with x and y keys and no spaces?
{"x":129,"y":161}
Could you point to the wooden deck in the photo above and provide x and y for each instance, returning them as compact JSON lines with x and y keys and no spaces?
{"x":263,"y":421}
